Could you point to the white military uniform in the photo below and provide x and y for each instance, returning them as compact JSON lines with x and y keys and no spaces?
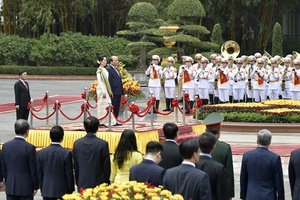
{"x":295,"y":84}
{"x":274,"y":83}
{"x":259,"y":85}
{"x":169,"y":74}
{"x":154,"y":72}
{"x":239,"y":78}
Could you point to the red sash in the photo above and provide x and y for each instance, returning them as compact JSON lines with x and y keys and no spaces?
{"x":223,"y":77}
{"x":296,"y":79}
{"x":260,"y":80}
{"x":154,"y":73}
{"x":186,"y":76}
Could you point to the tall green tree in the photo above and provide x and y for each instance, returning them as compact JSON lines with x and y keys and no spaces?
{"x":142,"y":24}
{"x":188,"y":14}
{"x":277,"y":40}
{"x":216,"y":37}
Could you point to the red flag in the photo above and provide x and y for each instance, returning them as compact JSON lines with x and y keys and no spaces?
{"x":154,"y":73}
{"x":296,"y":79}
{"x":223,"y":77}
{"x":260,"y":80}
{"x":186,"y":76}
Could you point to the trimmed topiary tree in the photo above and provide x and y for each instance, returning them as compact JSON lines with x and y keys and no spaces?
{"x":277,"y":40}
{"x":216,"y":37}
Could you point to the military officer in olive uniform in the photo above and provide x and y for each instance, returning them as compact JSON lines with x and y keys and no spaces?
{"x":222,"y":152}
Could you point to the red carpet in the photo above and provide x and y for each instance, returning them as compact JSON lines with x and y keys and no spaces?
{"x":63,"y":99}
{"x":280,"y":149}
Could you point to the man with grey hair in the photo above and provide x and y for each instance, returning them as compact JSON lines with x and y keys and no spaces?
{"x":261,"y":171}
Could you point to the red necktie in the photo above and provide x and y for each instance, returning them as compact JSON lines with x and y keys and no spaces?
{"x":25,"y":83}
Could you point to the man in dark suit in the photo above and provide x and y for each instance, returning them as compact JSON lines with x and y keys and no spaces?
{"x":222,"y":152}
{"x":19,"y":165}
{"x":91,"y":157}
{"x":170,"y":155}
{"x":294,"y":174}
{"x":215,"y":170}
{"x":261,"y":171}
{"x":22,"y":96}
{"x":116,"y":85}
{"x":55,"y":167}
{"x":185,"y":179}
{"x":148,"y":170}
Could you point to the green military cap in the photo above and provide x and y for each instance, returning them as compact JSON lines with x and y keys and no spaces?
{"x":213,"y":120}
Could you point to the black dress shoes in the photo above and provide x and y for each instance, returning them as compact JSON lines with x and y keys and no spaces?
{"x":102,"y":125}
{"x":117,"y":124}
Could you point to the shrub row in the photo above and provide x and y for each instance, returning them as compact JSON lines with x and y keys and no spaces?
{"x":68,"y":49}
{"x":252,"y":117}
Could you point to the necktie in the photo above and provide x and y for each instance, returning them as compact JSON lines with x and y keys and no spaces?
{"x":25,"y":83}
{"x":117,"y":71}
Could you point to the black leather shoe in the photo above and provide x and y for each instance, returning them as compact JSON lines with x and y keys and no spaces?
{"x":117,"y":124}
{"x":102,"y":125}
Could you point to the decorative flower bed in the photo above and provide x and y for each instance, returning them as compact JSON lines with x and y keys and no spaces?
{"x":131,"y":191}
{"x":131,"y":87}
{"x":270,"y":111}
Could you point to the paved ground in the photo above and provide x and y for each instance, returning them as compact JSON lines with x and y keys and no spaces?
{"x":75,"y":87}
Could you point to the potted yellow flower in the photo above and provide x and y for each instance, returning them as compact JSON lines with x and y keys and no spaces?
{"x":131,"y":190}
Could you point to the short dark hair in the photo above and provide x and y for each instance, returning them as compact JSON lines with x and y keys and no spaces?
{"x":153,"y":147}
{"x":214,"y":131}
{"x":206,"y":142}
{"x":21,"y":126}
{"x":188,"y":147}
{"x":56,"y":133}
{"x":91,"y":124}
{"x":21,"y":72}
{"x":170,"y":130}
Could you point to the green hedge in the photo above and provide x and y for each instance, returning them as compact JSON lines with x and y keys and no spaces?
{"x":68,"y":49}
{"x":45,"y":70}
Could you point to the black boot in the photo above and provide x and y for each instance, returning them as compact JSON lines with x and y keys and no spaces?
{"x":205,"y":102}
{"x":156,"y":105}
{"x":216,"y":100}
{"x":211,"y":98}
{"x":191,"y":105}
{"x":167,"y":105}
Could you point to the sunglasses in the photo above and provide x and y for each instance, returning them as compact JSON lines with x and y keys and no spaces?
{"x":260,"y":63}
{"x":224,"y":62}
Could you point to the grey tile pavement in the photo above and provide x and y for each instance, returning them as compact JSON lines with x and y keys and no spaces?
{"x":75,"y":87}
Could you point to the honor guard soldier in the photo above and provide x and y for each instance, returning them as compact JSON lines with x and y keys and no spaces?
{"x":260,"y":78}
{"x":222,"y":152}
{"x":169,"y":74}
{"x":274,"y":78}
{"x":295,"y":86}
{"x":154,"y":72}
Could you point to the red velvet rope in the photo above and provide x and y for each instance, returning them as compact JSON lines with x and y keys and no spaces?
{"x":93,"y":107}
{"x":69,"y":118}
{"x":134,"y":109}
{"x":42,"y":106}
{"x":83,"y":95}
{"x":47,"y":117}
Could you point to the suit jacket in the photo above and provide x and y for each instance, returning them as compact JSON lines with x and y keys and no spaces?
{"x":22,"y":95}
{"x":170,"y":155}
{"x":294,"y":174}
{"x":55,"y":170}
{"x":91,"y":161}
{"x":261,"y":175}
{"x":19,"y":167}
{"x":115,"y":81}
{"x":191,"y":183}
{"x":217,"y":177}
{"x":222,"y":154}
{"x":147,"y":171}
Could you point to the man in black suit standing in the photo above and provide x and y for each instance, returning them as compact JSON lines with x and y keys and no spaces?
{"x":91,"y":157}
{"x":55,"y":167}
{"x":170,"y":155}
{"x":215,"y":170}
{"x":185,"y":179}
{"x":115,"y":81}
{"x":261,"y":171}
{"x":19,"y":165}
{"x":294,"y":174}
{"x":148,"y":170}
{"x":22,"y":96}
